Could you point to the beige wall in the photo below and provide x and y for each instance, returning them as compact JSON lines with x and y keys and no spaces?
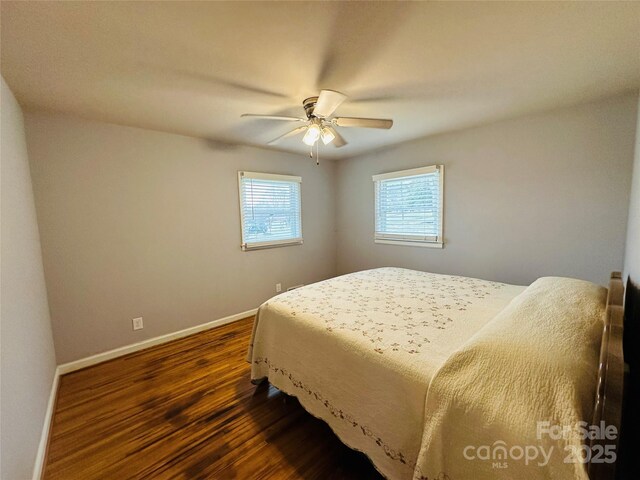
{"x":544,"y":194}
{"x":142,"y":223}
{"x":26,"y":344}
{"x":632,"y":251}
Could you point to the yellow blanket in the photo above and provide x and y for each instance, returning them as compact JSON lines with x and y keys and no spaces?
{"x":496,"y":408}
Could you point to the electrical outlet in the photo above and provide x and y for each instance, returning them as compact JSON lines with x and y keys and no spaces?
{"x":137,"y":323}
{"x":278,"y":287}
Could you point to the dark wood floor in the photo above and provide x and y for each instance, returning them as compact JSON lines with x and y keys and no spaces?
{"x":186,"y":409}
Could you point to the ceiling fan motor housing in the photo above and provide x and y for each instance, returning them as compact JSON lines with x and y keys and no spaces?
{"x":309,"y":105}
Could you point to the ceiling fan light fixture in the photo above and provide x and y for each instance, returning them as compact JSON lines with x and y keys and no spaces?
{"x":327,"y":136}
{"x":320,"y":122}
{"x":312,"y":135}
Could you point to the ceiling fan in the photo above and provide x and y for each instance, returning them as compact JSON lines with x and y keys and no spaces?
{"x":318,"y":126}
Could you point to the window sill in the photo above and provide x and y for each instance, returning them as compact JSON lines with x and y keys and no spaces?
{"x":261,"y":246}
{"x":407,"y":243}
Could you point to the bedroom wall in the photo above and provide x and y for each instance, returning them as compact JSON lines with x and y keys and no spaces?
{"x":27,"y":355}
{"x":545,"y":194}
{"x":632,"y":251}
{"x":143,"y":223}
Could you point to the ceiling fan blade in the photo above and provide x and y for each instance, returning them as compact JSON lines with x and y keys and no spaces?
{"x":293,"y":132}
{"x":274,"y":117}
{"x":338,"y":140}
{"x":363,"y":122}
{"x":327,"y":103}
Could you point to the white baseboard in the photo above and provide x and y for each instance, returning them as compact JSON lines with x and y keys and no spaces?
{"x":46,"y":427}
{"x":134,"y":347}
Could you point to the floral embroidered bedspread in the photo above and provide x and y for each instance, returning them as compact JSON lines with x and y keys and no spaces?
{"x":359,"y":351}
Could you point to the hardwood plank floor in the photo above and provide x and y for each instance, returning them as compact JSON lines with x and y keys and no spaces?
{"x":186,"y":409}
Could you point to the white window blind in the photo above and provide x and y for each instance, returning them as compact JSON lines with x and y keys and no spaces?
{"x":408,"y":206}
{"x":270,"y":210}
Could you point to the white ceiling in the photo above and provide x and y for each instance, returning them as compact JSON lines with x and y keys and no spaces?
{"x":193,"y":68}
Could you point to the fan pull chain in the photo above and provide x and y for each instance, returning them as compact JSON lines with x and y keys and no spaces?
{"x":317,"y":152}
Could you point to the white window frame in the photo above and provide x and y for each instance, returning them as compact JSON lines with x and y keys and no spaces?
{"x":407,"y":240}
{"x":247,"y":246}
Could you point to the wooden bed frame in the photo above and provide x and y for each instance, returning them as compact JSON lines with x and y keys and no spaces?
{"x":611,"y":375}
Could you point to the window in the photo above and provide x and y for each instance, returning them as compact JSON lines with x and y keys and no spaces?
{"x":408,"y":207}
{"x":269,"y":210}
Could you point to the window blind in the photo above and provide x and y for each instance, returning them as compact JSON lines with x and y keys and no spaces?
{"x":408,"y":206}
{"x":270,"y":209}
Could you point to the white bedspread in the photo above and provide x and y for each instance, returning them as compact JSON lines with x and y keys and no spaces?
{"x":360,"y":350}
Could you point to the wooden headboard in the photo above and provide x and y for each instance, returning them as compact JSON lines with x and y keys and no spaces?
{"x":610,"y":386}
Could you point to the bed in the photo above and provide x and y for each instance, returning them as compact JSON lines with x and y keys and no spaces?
{"x":438,"y":376}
